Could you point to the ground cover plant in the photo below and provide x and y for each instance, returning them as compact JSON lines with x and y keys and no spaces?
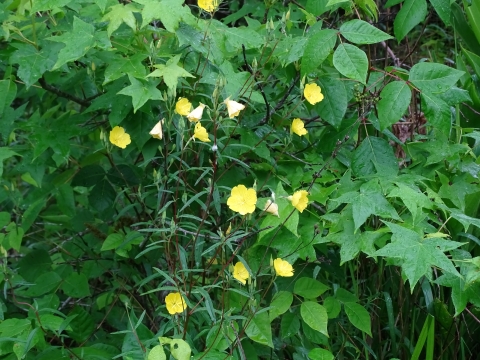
{"x":239,"y":179}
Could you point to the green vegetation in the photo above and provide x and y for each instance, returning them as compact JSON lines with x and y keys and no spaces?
{"x":239,"y":180}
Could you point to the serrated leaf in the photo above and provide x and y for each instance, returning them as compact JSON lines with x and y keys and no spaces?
{"x":358,"y":316}
{"x":394,"y":100}
{"x":121,"y":66}
{"x":412,"y":13}
{"x":413,"y":199}
{"x":119,"y":14}
{"x":259,"y":329}
{"x":317,"y":49}
{"x":315,"y":316}
{"x":77,"y":42}
{"x":351,"y":62}
{"x":169,"y":12}
{"x":361,"y":32}
{"x":418,"y":254}
{"x":171,"y":72}
{"x":141,"y":92}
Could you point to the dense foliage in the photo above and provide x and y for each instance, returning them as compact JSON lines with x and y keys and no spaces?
{"x":247,"y":180}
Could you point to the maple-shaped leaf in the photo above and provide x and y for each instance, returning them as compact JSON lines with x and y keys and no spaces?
{"x":33,"y":62}
{"x":456,"y":189}
{"x":121,"y":66}
{"x":413,"y":198}
{"x":418,"y":254}
{"x":141,"y":92}
{"x":120,"y":14}
{"x":169,"y":12}
{"x":77,"y":42}
{"x":44,"y":5}
{"x":368,"y":201}
{"x":171,"y":72}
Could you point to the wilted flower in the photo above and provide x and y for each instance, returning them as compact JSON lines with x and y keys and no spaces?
{"x":298,"y":127}
{"x":242,"y":200}
{"x":157,"y":131}
{"x":175,"y":303}
{"x":119,"y":137}
{"x":282,"y":267}
{"x":197,"y":113}
{"x":313,"y":93}
{"x":271,"y":208}
{"x":183,"y":106}
{"x":200,"y":133}
{"x":299,"y":199}
{"x":240,"y":273}
{"x":208,"y":5}
{"x":233,"y":107}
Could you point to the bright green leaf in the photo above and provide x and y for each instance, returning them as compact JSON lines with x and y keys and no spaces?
{"x":394,"y":100}
{"x":361,"y":32}
{"x":412,"y":13}
{"x":351,"y":62}
{"x":374,"y":155}
{"x":281,"y":302}
{"x":157,"y":353}
{"x":320,"y":354}
{"x":169,"y":12}
{"x":317,"y":49}
{"x":44,"y":5}
{"x":442,"y":7}
{"x":259,"y":329}
{"x":309,"y":288}
{"x":119,"y":14}
{"x":121,"y":66}
{"x":315,"y":316}
{"x":171,"y":72}
{"x":141,"y":92}
{"x":434,"y":78}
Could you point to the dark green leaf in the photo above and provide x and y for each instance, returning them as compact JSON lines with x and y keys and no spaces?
{"x":290,"y":325}
{"x":169,"y":12}
{"x":102,"y":196}
{"x":76,"y":285}
{"x":334,"y":104}
{"x":394,"y":101}
{"x":121,"y":66}
{"x":89,"y":176}
{"x":125,"y":175}
{"x":34,"y":264}
{"x":280,"y":304}
{"x":358,"y":316}
{"x":374,"y":155}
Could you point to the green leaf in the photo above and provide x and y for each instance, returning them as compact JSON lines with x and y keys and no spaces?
{"x":434,"y":78}
{"x":5,"y":153}
{"x":361,"y":32}
{"x":157,"y":353}
{"x":13,"y":327}
{"x":394,"y":100}
{"x":334,"y":104}
{"x":77,"y":42}
{"x":351,"y":62}
{"x":76,"y":285}
{"x":317,"y":49}
{"x":180,"y":349}
{"x":169,"y":12}
{"x":34,"y":264}
{"x":418,"y":255}
{"x":125,"y":175}
{"x":290,"y":49}
{"x":320,"y":354}
{"x":413,"y":198}
{"x":281,"y":302}
{"x":66,"y":200}
{"x":353,"y":242}
{"x":102,"y":196}
{"x":113,"y":241}
{"x":259,"y":329}
{"x":89,"y":176}
{"x":8,"y":89}
{"x":171,"y":72}
{"x":120,"y":14}
{"x":45,"y":283}
{"x":437,"y":112}
{"x":315,"y":316}
{"x":309,"y":288}
{"x":473,"y":15}
{"x":289,"y":325}
{"x":33,"y":63}
{"x":31,"y":214}
{"x":4,"y":218}
{"x":374,"y":155}
{"x":14,"y":237}
{"x":121,"y":66}
{"x":44,"y":5}
{"x":333,"y":307}
{"x":358,"y":316}
{"x":463,"y":28}
{"x":442,"y":7}
{"x":412,"y":13}
{"x":141,"y":92}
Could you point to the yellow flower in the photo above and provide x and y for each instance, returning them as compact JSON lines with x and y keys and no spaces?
{"x":271,"y":208}
{"x":313,"y":93}
{"x":175,"y":303}
{"x":208,"y":5}
{"x":200,"y":133}
{"x":119,"y":137}
{"x":242,"y":200}
{"x":299,"y":199}
{"x":282,"y":267}
{"x":298,"y":127}
{"x":157,"y":131}
{"x":183,"y":106}
{"x":240,"y":273}
{"x":233,"y":107}
{"x":197,"y":113}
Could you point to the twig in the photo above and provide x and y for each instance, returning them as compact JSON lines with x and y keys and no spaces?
{"x":61,"y":93}
{"x":396,"y":60}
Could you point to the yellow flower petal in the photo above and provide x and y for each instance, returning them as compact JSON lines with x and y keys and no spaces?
{"x":240,"y":273}
{"x":298,"y":127}
{"x":242,"y":200}
{"x":183,"y":106}
{"x":313,"y":93}
{"x":157,"y":131}
{"x":233,"y":107}
{"x":197,"y":113}
{"x":200,"y":133}
{"x":175,"y":303}
{"x":119,"y":137}
{"x":282,"y":267}
{"x":299,"y":199}
{"x":208,"y":5}
{"x":271,"y":208}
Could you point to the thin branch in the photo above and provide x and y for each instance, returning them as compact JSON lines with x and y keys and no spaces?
{"x":63,"y":94}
